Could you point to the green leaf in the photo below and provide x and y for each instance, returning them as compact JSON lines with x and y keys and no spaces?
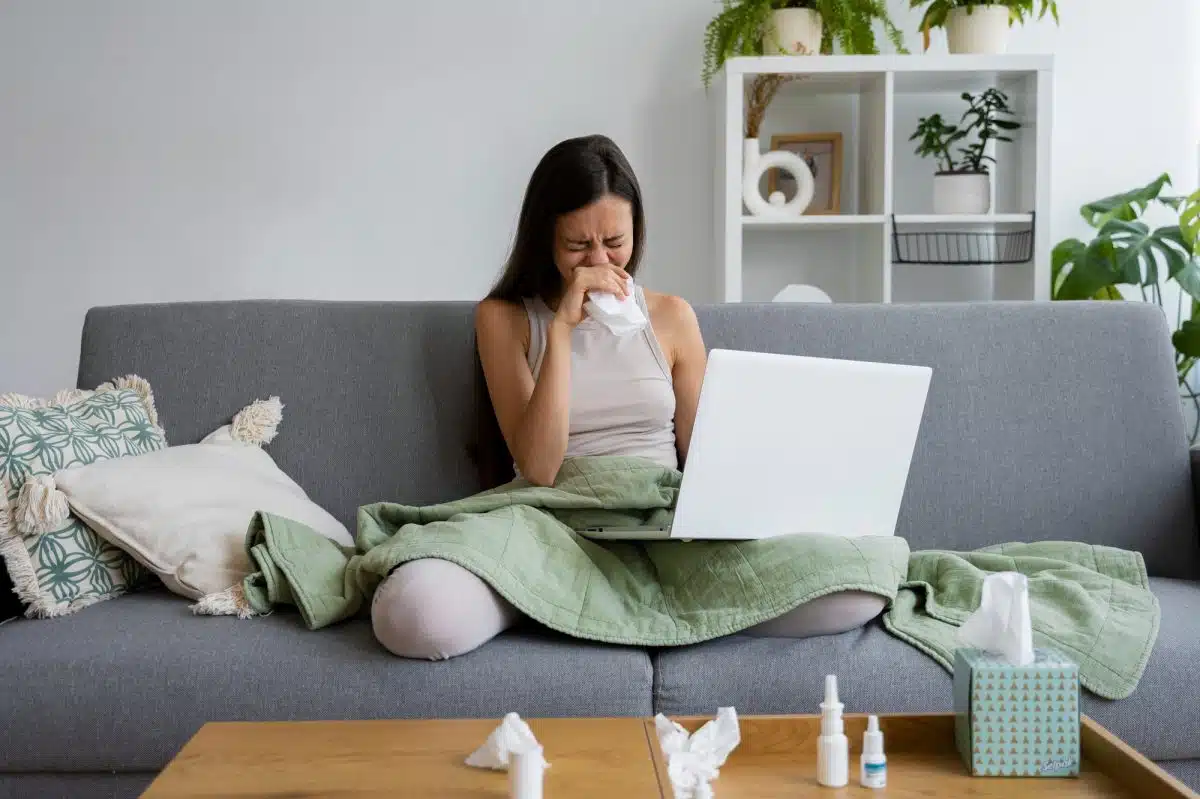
{"x":1189,"y":223}
{"x":1127,"y":206}
{"x":1187,"y":338}
{"x":1188,"y":278}
{"x":1093,"y":267}
{"x":1067,"y":252}
{"x":1139,"y":250}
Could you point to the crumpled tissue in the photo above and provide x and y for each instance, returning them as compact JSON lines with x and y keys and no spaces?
{"x":621,"y":316}
{"x":1002,"y":625}
{"x":513,"y":735}
{"x":694,"y":761}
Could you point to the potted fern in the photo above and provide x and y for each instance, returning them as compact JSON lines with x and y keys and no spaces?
{"x":979,"y":26}
{"x":795,"y":27}
{"x":962,"y":184}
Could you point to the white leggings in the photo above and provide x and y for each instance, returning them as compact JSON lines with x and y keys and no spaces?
{"x":433,"y":609}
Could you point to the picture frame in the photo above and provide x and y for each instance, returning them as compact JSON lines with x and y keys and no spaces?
{"x":823,"y":153}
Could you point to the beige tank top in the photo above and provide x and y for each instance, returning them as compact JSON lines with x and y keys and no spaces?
{"x":622,"y":395}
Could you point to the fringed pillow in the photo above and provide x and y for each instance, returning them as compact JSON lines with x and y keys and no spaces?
{"x":58,"y":565}
{"x":184,"y":511}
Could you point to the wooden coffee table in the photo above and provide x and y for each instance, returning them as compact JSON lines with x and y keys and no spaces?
{"x":613,"y":758}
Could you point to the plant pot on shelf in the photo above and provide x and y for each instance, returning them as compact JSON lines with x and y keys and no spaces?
{"x":962,"y":193}
{"x":793,"y":31}
{"x":978,"y":29}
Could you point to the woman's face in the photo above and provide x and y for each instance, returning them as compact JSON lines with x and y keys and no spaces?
{"x":595,"y":235}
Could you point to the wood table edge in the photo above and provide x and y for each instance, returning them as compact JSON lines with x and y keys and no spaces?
{"x":1125,"y":764}
{"x":665,"y":791}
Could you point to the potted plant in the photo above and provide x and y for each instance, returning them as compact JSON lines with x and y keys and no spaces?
{"x":963,"y":184}
{"x":979,"y":26}
{"x":1126,"y":252}
{"x":793,"y":27}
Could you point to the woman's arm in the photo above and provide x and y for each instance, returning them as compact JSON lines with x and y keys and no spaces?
{"x":680,"y":333}
{"x":533,"y":415}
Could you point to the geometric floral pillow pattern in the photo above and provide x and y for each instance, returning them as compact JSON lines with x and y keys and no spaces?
{"x":57,"y":564}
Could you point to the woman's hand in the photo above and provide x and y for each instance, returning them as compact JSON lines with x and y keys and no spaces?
{"x":606,"y":278}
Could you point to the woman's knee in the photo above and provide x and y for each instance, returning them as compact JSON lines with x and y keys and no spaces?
{"x":827,"y":615}
{"x":433,"y":609}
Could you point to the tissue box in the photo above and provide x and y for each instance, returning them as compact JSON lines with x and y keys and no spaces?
{"x":1017,"y":721}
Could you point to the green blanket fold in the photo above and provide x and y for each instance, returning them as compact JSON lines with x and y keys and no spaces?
{"x":1093,"y":603}
{"x":520,"y":538}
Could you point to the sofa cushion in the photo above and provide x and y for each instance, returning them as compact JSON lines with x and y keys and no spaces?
{"x":878,"y":673}
{"x":123,"y":685}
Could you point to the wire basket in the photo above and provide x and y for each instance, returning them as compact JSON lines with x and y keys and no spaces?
{"x":963,"y":248}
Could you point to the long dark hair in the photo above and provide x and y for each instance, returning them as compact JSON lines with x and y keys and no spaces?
{"x":571,"y":175}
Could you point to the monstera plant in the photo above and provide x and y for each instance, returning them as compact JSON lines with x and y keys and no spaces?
{"x":1126,"y":252}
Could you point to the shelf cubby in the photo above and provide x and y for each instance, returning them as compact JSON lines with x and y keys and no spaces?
{"x":886,"y":190}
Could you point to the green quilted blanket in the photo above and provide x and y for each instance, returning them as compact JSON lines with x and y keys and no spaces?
{"x":521,"y":539}
{"x":1092,"y":603}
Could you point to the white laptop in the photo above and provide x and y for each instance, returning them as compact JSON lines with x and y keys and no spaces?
{"x":787,"y":444}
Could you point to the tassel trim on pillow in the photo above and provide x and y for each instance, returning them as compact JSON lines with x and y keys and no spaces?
{"x":24,"y":575}
{"x":41,"y":507}
{"x":230,"y":602}
{"x":258,"y":422}
{"x":139,"y":385}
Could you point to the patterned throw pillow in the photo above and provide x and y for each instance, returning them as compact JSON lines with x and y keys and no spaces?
{"x":57,"y":564}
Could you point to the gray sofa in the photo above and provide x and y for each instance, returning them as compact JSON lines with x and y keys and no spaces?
{"x":1044,"y":422}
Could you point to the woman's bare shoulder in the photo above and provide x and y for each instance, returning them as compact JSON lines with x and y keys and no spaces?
{"x":669,"y":309}
{"x":494,"y":316}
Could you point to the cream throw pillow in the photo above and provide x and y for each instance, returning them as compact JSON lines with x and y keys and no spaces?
{"x":183,"y":511}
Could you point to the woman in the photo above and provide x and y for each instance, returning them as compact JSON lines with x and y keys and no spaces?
{"x":562,"y":385}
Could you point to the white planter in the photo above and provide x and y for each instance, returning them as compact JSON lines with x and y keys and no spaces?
{"x":793,"y":31}
{"x":962,"y":193}
{"x":984,"y":30}
{"x":754,"y":166}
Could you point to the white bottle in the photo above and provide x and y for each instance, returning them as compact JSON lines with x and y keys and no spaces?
{"x":833,"y":750}
{"x":526,"y":770}
{"x":872,"y":772}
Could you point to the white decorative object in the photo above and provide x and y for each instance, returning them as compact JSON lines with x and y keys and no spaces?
{"x":801,"y":292}
{"x":756,"y":164}
{"x":962,"y":193}
{"x":981,"y":30}
{"x":793,"y":31}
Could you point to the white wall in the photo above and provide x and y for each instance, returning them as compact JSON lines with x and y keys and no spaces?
{"x":158,"y":150}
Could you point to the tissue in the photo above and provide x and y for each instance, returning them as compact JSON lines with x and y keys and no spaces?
{"x":513,"y":735}
{"x":694,"y":761}
{"x":1002,"y":625}
{"x":621,"y":316}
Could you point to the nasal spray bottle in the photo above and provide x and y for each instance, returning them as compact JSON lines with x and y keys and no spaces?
{"x":833,"y":750}
{"x":873,"y":766}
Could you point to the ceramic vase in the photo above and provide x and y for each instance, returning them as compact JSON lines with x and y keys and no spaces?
{"x":980,"y":30}
{"x":793,"y":31}
{"x":755,"y":164}
{"x":962,"y":193}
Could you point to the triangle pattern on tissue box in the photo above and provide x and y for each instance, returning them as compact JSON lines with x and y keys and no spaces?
{"x":1024,"y":721}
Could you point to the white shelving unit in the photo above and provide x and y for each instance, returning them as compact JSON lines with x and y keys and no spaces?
{"x":874,"y":102}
